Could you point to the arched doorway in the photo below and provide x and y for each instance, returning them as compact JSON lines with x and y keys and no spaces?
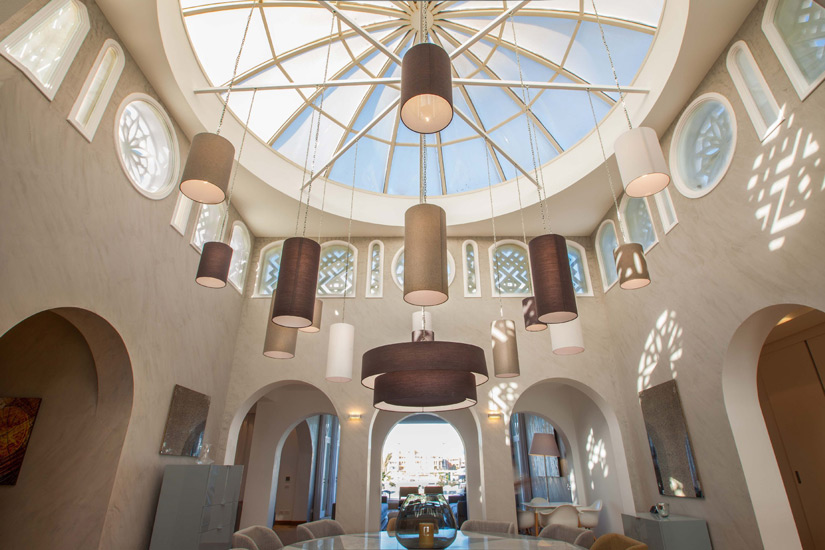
{"x":423,"y":453}
{"x":76,"y":363}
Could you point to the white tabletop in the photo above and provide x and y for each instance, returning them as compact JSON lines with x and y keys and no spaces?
{"x":471,"y":541}
{"x":546,"y":505}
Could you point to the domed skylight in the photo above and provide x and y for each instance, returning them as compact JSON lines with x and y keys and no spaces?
{"x":558,"y":42}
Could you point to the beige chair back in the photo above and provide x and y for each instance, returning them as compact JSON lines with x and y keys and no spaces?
{"x":319,"y":529}
{"x":566,"y":514}
{"x":492,"y":527}
{"x":257,"y":537}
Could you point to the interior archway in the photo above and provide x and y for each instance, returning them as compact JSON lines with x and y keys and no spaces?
{"x":77,"y":364}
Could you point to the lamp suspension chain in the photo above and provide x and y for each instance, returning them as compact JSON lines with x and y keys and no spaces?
{"x":349,"y":236}
{"x":533,"y":146}
{"x":520,"y":207}
{"x":238,"y":167}
{"x":304,"y":176}
{"x":612,"y":65}
{"x":235,"y":69}
{"x":318,"y":125}
{"x":607,"y":167}
{"x":495,"y":238}
{"x":422,"y":158}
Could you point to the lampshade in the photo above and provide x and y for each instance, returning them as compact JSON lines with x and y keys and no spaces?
{"x":213,"y":268}
{"x":418,"y":324}
{"x":297,"y":283}
{"x":531,"y":316}
{"x":208,"y":167}
{"x":423,"y":358}
{"x":316,"y":318}
{"x":426,"y":89}
{"x":567,"y":338}
{"x":505,"y":348}
{"x":544,"y":445}
{"x":423,"y":336}
{"x":631,"y":266}
{"x":425,"y":255}
{"x":407,"y":391}
{"x":339,"y":354}
{"x":552,"y":281}
{"x":641,"y":162}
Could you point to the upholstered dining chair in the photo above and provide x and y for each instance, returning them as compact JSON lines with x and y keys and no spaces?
{"x":566,"y":514}
{"x":580,"y":537}
{"x":319,"y":529}
{"x":256,"y":537}
{"x":614,"y":541}
{"x":589,"y":516}
{"x":526,"y":520}
{"x":484,"y":526}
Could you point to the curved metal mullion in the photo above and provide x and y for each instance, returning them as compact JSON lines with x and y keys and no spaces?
{"x":554,"y":14}
{"x":471,"y":105}
{"x":374,"y":9}
{"x":311,"y":99}
{"x":441,"y":164}
{"x":391,"y":149}
{"x":387,"y":65}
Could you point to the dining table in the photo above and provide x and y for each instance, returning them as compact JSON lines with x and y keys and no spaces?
{"x":463,"y":541}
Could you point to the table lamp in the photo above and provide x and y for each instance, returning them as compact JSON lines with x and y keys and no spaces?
{"x":545,"y":445}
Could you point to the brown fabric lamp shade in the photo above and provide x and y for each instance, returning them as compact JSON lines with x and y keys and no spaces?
{"x":280,"y":342}
{"x":213,"y":268}
{"x":422,"y":357}
{"x":531,"y":315}
{"x":505,"y":348}
{"x":297,"y":283}
{"x":552,"y":280}
{"x":405,"y":391}
{"x":208,"y":167}
{"x":425,"y":255}
{"x":631,"y":266}
{"x":426,"y":89}
{"x":316,"y":318}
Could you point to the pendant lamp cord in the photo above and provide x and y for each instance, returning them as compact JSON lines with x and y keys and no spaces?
{"x":235,"y":69}
{"x":520,"y":207}
{"x":533,"y":139}
{"x":612,"y":66}
{"x":317,"y":129}
{"x":349,"y":235}
{"x":303,"y":177}
{"x":495,"y":238}
{"x":607,"y":167}
{"x":238,"y":164}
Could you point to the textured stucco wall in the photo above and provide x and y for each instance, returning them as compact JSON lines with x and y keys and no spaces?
{"x":74,"y":232}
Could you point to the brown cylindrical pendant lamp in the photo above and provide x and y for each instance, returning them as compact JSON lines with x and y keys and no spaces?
{"x":531,"y":316}
{"x":213,"y":269}
{"x":425,"y":255}
{"x":552,"y":280}
{"x":280,"y":342}
{"x":410,"y":391}
{"x":641,"y":162}
{"x":505,"y":348}
{"x":423,"y":357}
{"x":297,"y":283}
{"x":208,"y":167}
{"x":316,"y":318}
{"x":426,"y":89}
{"x":631,"y":266}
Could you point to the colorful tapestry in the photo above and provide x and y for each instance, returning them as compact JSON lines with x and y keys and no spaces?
{"x":17,"y":416}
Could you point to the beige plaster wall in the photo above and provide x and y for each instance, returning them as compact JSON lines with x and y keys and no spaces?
{"x":74,"y":232}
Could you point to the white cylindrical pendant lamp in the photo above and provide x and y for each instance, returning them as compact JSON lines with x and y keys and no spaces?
{"x":316,"y":318}
{"x":426,"y":324}
{"x":339,"y":354}
{"x":505,"y":348}
{"x":641,"y":162}
{"x":567,"y":338}
{"x":425,"y":255}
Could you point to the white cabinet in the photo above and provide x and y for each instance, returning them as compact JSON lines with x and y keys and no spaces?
{"x":670,"y":533}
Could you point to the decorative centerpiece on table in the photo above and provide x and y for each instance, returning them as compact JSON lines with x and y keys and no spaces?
{"x":425,"y":521}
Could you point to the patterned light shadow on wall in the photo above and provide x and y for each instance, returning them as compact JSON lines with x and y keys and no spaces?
{"x":784,"y":179}
{"x":596,"y":456}
{"x":663,"y":346}
{"x":502,"y":397}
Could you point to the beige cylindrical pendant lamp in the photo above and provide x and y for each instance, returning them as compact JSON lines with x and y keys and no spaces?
{"x":297,"y":283}
{"x":641,"y":162}
{"x":316,"y":318}
{"x":552,"y":280}
{"x":426,"y":89}
{"x":566,"y":338}
{"x":505,"y":348}
{"x":339,"y":354}
{"x":213,"y":268}
{"x":208,"y":167}
{"x":425,"y":255}
{"x":531,"y":316}
{"x":280,"y":342}
{"x":631,"y":266}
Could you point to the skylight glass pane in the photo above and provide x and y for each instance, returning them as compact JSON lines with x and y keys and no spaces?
{"x":575,"y":121}
{"x":293,"y":142}
{"x":377,"y":102}
{"x":372,"y":158}
{"x":512,"y":137}
{"x":646,"y":12}
{"x":272,"y":109}
{"x":588,"y":58}
{"x":293,"y":27}
{"x":404,"y":175}
{"x":493,"y":105}
{"x":547,"y":36}
{"x":464,"y":166}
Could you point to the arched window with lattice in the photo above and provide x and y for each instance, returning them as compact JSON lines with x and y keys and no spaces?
{"x":578,"y":269}
{"x":606,"y":243}
{"x":510,"y":269}
{"x":472,"y":279}
{"x":398,"y":268}
{"x":269,"y":265}
{"x":336,"y":272}
{"x":796,"y":30}
{"x":241,"y":244}
{"x":375,"y":279}
{"x":637,"y":221}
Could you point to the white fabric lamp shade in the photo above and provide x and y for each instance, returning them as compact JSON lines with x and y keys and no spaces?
{"x":567,"y":338}
{"x":427,"y":323}
{"x":544,"y":445}
{"x":505,"y":348}
{"x":340,"y":352}
{"x":641,"y":162}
